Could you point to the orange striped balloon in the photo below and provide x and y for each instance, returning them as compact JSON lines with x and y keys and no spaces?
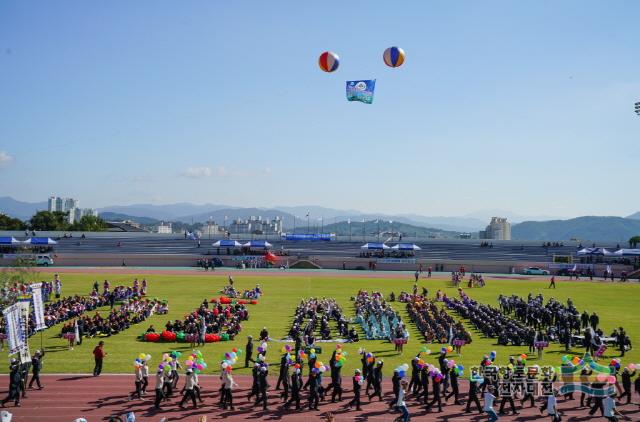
{"x":393,"y":56}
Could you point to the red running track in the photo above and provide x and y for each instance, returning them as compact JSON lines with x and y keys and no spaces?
{"x":67,"y":397}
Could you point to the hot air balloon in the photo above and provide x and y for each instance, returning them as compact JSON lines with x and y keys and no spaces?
{"x":329,"y":61}
{"x":393,"y":56}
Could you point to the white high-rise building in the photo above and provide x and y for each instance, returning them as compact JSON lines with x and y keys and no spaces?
{"x":498,"y":229}
{"x":164,"y":228}
{"x":71,"y":206}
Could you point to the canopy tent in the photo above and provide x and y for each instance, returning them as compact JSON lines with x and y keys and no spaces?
{"x":406,"y":247}
{"x":40,"y":241}
{"x":374,"y":246}
{"x":629,"y":252}
{"x":227,"y":244}
{"x":596,"y":252}
{"x":259,"y":244}
{"x":9,"y":241}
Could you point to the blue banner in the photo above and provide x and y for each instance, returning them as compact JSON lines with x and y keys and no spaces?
{"x":361,"y":90}
{"x":311,"y":237}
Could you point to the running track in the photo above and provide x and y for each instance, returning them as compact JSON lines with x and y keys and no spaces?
{"x":67,"y":397}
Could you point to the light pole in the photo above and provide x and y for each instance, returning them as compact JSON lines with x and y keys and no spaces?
{"x":294,"y":224}
{"x":225,"y":226}
{"x":364,"y":239}
{"x":349,"y":223}
{"x":209,"y":226}
{"x":308,"y":224}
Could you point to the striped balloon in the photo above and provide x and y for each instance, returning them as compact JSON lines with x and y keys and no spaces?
{"x":328,"y":61}
{"x":393,"y":56}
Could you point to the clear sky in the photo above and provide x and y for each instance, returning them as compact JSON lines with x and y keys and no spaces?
{"x":518,"y":105}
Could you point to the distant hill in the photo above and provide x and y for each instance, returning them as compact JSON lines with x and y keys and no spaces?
{"x":20,"y":209}
{"x":635,"y":216}
{"x":114,"y":216}
{"x":161,"y":212}
{"x":371,"y":228}
{"x":615,"y":229}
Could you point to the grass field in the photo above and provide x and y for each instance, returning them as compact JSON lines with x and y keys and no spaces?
{"x":617,"y":304}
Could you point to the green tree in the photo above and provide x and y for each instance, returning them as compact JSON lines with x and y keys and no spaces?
{"x":8,"y":223}
{"x":46,"y":220}
{"x":89,"y":223}
{"x":634,"y":241}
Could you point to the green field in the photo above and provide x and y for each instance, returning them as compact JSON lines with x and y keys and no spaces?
{"x":617,"y":304}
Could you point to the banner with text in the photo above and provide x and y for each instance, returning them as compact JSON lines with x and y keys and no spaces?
{"x":38,"y":306}
{"x":14,"y":333}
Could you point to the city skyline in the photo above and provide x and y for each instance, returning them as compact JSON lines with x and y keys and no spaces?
{"x":523,"y":107}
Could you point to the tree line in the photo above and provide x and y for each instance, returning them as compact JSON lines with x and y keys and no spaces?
{"x":53,"y":221}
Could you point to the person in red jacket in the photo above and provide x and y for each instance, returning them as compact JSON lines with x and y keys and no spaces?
{"x":98,"y":354}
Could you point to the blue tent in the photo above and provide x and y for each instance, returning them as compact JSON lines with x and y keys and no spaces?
{"x":227,"y":244}
{"x":9,"y":241}
{"x":596,"y":252}
{"x":40,"y":241}
{"x":259,"y":244}
{"x":406,"y":247}
{"x":374,"y":246}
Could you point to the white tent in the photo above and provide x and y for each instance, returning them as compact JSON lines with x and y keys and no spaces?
{"x":628,"y":252}
{"x":260,"y":244}
{"x":406,"y":247}
{"x":227,"y":244}
{"x":374,"y":246}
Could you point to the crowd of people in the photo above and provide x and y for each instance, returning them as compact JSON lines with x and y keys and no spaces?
{"x":475,"y":280}
{"x":210,"y":318}
{"x":490,"y":321}
{"x":435,"y":324}
{"x":312,"y":318}
{"x":378,"y":319}
{"x":493,"y":389}
{"x":131,"y":312}
{"x":231,"y":291}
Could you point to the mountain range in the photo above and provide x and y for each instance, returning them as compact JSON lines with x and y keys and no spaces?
{"x":523,"y":227}
{"x":616,"y":229}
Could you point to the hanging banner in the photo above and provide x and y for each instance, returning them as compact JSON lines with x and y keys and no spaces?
{"x":361,"y":90}
{"x":24,"y":303}
{"x":15,"y":338}
{"x":325,"y":237}
{"x":38,"y":306}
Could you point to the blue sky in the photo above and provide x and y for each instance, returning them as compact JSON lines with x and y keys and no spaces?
{"x":525,"y":106}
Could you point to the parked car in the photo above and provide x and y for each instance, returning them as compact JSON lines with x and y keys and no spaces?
{"x":534,"y":271}
{"x":44,"y":260}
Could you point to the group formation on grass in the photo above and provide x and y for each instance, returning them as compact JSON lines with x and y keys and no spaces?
{"x":302,"y":378}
